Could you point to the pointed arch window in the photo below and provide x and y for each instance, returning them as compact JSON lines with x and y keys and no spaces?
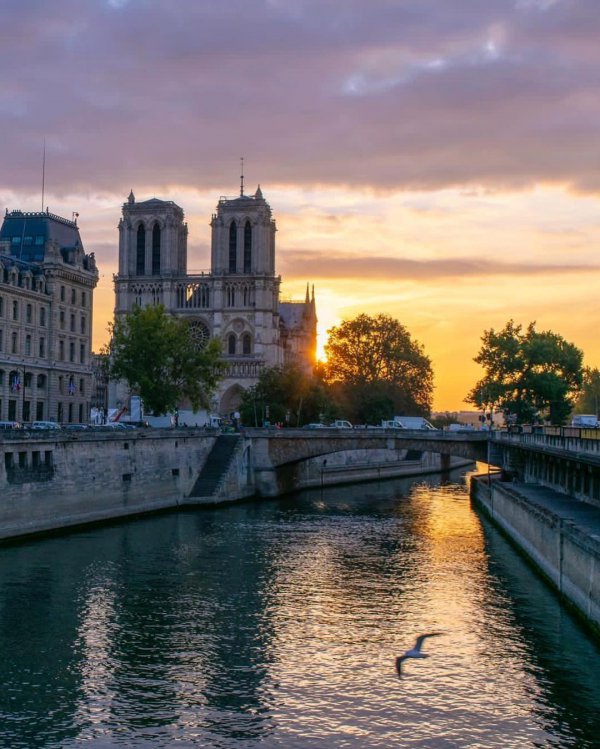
{"x":246,"y":344}
{"x":231,"y":344}
{"x":156,"y":250}
{"x":247,"y":247}
{"x":233,"y":247}
{"x":140,"y":253}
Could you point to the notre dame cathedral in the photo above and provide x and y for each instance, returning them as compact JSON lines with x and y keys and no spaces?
{"x":238,"y":301}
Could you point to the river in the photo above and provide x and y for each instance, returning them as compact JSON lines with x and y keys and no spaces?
{"x":276,"y":624}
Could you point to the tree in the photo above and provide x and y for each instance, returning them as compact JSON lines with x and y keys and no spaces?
{"x":285,"y":394}
{"x":160,"y":359}
{"x":528,"y":374}
{"x":376,"y":370}
{"x":589,"y":398}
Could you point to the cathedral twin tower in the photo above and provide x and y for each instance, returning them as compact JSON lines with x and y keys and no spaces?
{"x":237,"y":301}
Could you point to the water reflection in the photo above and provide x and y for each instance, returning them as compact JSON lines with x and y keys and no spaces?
{"x":277,"y":624}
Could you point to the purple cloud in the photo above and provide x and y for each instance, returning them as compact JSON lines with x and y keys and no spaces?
{"x":419,"y":94}
{"x":340,"y":266}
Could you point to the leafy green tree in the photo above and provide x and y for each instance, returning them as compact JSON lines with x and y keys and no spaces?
{"x":160,"y":360}
{"x":285,"y":394}
{"x":589,"y":398}
{"x":528,"y":374}
{"x":376,"y":370}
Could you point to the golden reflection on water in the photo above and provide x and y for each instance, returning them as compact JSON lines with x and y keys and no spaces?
{"x":346,"y":603}
{"x":276,"y":625}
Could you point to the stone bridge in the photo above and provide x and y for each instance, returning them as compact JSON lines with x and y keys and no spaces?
{"x":279,"y":456}
{"x":565,"y":459}
{"x":278,"y":447}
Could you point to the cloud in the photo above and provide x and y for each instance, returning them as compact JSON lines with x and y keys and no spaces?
{"x":327,"y":265}
{"x":419,"y":94}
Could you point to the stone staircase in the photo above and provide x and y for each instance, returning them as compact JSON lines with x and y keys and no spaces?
{"x":216,"y":466}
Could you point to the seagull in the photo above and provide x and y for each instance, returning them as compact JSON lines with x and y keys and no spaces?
{"x":415,"y":652}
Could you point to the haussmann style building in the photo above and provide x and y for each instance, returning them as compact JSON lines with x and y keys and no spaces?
{"x":47,"y":282}
{"x":237,"y":301}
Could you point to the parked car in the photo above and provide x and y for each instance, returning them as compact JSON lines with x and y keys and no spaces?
{"x":314,"y":426}
{"x":76,"y":427}
{"x":45,"y":425}
{"x":6,"y":425}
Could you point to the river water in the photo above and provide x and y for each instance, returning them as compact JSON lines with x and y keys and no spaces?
{"x":276,"y":624}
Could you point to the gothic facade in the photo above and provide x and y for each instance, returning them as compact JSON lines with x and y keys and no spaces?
{"x":238,"y":301}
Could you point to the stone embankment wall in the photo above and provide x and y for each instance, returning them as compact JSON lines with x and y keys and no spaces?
{"x":51,"y":482}
{"x":568,"y":556}
{"x":372,"y":465}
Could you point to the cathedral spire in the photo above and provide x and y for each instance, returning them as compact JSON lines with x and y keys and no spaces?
{"x":242,"y":178}
{"x":131,"y":198}
{"x":307,"y":298}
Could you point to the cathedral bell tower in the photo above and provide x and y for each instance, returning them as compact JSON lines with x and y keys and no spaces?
{"x":243,"y":236}
{"x":152,"y":250}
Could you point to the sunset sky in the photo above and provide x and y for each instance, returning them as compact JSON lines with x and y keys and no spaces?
{"x":436,"y":160}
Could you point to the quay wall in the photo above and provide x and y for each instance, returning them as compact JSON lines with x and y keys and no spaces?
{"x":361,"y":465}
{"x":568,"y":557}
{"x":49,"y":482}
{"x":52,"y":480}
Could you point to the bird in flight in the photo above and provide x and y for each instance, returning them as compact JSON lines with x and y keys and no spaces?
{"x":415,"y":651}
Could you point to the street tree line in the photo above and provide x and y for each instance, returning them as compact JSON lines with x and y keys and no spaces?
{"x":374,"y":370}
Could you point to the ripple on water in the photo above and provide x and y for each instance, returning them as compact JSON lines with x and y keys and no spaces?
{"x":277,"y":625}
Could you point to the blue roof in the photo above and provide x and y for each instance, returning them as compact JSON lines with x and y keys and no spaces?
{"x":28,"y":233}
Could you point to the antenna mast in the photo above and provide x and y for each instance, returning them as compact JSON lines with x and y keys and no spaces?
{"x":242,"y":178}
{"x":43,"y":173}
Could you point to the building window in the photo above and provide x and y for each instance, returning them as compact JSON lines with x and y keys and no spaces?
{"x":83,"y":299}
{"x":247,"y":247}
{"x":82,"y":353}
{"x":232,"y":247}
{"x":156,"y":250}
{"x":140,"y":255}
{"x":42,"y":347}
{"x":43,"y":316}
{"x":41,"y":381}
{"x":62,"y":293}
{"x":81,"y":385}
{"x":246,"y":344}
{"x":231,"y":344}
{"x":27,"y":345}
{"x":71,"y":351}
{"x":72,"y":323}
{"x":61,"y":318}
{"x":15,"y":310}
{"x":1,"y":337}
{"x":82,"y":327}
{"x":39,"y":411}
{"x":61,"y":350}
{"x":61,"y":386}
{"x":1,"y":377}
{"x":231,"y":296}
{"x":28,"y":314}
{"x":1,"y":301}
{"x":13,"y":346}
{"x":73,"y":296}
